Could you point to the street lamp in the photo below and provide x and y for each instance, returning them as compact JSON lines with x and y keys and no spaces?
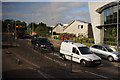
{"x":51,"y":31}
{"x":117,"y":26}
{"x":32,"y":22}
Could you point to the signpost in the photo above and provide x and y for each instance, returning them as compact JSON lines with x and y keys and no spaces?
{"x":71,"y":62}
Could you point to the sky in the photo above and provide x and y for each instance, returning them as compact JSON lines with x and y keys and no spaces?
{"x":49,"y":13}
{"x":53,"y":0}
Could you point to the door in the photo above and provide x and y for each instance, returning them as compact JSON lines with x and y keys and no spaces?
{"x":76,"y":56}
{"x":94,"y":49}
{"x":101,"y":51}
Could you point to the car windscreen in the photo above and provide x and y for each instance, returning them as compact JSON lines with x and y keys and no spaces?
{"x":44,"y":40}
{"x":109,"y":49}
{"x":84,"y":50}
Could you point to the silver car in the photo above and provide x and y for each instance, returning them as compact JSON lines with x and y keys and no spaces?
{"x":105,"y":51}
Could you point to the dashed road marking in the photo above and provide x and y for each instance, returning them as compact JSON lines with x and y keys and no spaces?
{"x":96,"y":74}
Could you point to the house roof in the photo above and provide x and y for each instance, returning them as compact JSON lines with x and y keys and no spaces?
{"x":67,"y":25}
{"x":62,"y":25}
{"x":74,"y":21}
{"x":57,"y":25}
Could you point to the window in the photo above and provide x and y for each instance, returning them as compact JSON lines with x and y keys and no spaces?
{"x":95,"y":46}
{"x":75,"y":51}
{"x":80,"y":26}
{"x":84,"y":50}
{"x":101,"y":48}
{"x":109,"y":49}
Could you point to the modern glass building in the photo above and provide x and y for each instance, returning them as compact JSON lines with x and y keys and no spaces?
{"x":108,"y":22}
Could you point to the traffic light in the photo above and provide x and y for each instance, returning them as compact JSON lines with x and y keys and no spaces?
{"x":8,"y":27}
{"x":16,"y":26}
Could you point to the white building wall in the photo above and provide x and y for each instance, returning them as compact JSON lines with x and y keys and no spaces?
{"x":73,"y":28}
{"x":95,"y":20}
{"x":58,"y":29}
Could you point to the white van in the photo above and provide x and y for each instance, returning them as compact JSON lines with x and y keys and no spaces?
{"x":80,"y":53}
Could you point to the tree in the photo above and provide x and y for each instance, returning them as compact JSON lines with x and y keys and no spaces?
{"x":23,"y":24}
{"x":42,"y":31}
{"x":42,"y":24}
{"x":31,"y":25}
{"x":5,"y":24}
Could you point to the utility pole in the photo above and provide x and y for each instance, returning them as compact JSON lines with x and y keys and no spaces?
{"x":32,"y":22}
{"x":117,"y":26}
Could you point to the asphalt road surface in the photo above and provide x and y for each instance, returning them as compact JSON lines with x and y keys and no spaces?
{"x":21,"y":60}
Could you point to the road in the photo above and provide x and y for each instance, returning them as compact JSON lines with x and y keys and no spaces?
{"x":46,"y":64}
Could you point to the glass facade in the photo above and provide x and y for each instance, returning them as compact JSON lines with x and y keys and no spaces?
{"x":109,"y":18}
{"x":109,"y":15}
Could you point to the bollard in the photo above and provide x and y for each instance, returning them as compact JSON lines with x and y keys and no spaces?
{"x":18,"y":61}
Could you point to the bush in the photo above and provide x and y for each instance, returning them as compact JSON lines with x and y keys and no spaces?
{"x":55,"y":37}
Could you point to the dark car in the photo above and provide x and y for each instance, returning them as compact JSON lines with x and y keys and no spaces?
{"x":43,"y":43}
{"x":27,"y":36}
{"x":35,"y":36}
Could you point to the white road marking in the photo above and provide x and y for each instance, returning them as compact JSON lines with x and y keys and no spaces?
{"x":56,"y":61}
{"x":96,"y":74}
{"x":25,"y":60}
{"x":38,"y":72}
{"x":53,"y":59}
{"x":32,"y":65}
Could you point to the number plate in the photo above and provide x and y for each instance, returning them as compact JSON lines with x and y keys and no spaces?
{"x":97,"y":61}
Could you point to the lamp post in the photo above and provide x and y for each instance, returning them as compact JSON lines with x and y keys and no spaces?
{"x":117,"y":26}
{"x":32,"y":22}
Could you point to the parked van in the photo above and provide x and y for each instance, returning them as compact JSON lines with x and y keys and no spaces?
{"x":80,"y":53}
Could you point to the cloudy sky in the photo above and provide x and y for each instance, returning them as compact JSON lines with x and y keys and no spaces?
{"x":50,"y":13}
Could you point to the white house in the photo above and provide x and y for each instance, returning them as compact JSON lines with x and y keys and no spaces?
{"x":75,"y":27}
{"x":59,"y":28}
{"x":79,"y":28}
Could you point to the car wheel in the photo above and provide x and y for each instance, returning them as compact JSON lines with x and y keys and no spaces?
{"x":63,"y":57}
{"x":83,"y":63}
{"x":37,"y":45}
{"x":110,"y":58}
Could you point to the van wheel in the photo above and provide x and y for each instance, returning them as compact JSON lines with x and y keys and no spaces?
{"x":83,"y":63}
{"x":110,"y":58}
{"x":63,"y":57}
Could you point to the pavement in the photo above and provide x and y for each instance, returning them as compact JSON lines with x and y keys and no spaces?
{"x":14,"y":67}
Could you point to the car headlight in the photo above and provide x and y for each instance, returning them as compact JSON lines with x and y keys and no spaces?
{"x":42,"y":45}
{"x":90,"y":59}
